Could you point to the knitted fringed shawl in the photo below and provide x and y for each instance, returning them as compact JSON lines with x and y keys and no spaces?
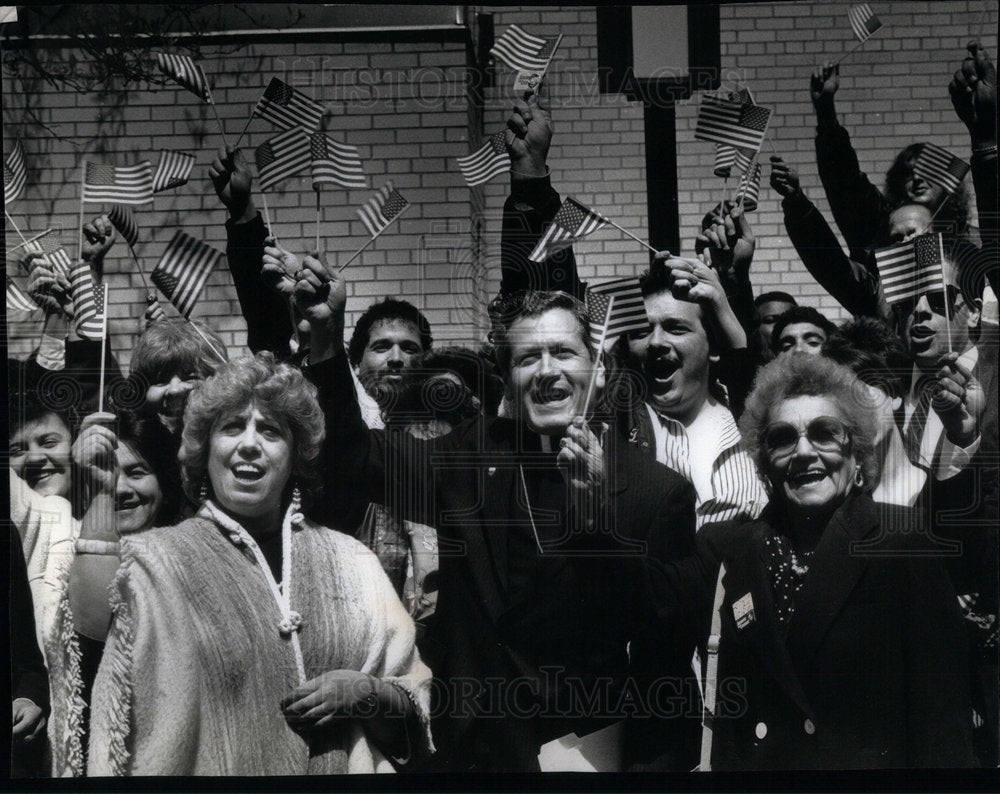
{"x":194,"y":668}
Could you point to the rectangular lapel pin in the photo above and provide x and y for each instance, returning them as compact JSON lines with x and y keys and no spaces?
{"x":743,"y":611}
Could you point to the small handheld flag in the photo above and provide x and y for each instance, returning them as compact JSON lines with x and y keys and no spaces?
{"x":54,"y":254}
{"x":572,"y":222}
{"x":173,"y":170}
{"x":186,"y":72}
{"x":490,"y":160}
{"x":183,"y":270}
{"x":284,"y":155}
{"x":335,"y":163}
{"x":748,"y":191}
{"x":731,"y":124}
{"x":123,"y":219}
{"x":523,"y":52}
{"x":863,"y":21}
{"x":382,"y":209}
{"x":940,"y":167}
{"x":88,"y":303}
{"x":287,"y":107}
{"x":132,"y":184}
{"x":15,"y":176}
{"x":627,"y":314}
{"x":17,"y":301}
{"x":907,"y":270}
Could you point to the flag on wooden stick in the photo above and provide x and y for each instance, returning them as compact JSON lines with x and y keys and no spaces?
{"x":15,"y":176}
{"x":732,"y":124}
{"x":382,"y":209}
{"x":173,"y":170}
{"x":88,"y":303}
{"x":287,"y":107}
{"x":940,"y":167}
{"x":522,"y":51}
{"x":284,"y":155}
{"x":628,"y":313}
{"x":335,"y":163}
{"x":17,"y":301}
{"x":131,"y":184}
{"x":186,"y":72}
{"x":863,"y":21}
{"x":572,"y":222}
{"x":749,"y":189}
{"x":907,"y":270}
{"x":488,"y":161}
{"x":123,"y":219}
{"x":183,"y":270}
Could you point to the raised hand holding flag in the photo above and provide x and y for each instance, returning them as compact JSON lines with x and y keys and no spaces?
{"x":528,"y":55}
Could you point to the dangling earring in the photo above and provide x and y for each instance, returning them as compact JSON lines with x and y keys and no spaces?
{"x":295,"y":507}
{"x":859,"y":478}
{"x":203,"y":492}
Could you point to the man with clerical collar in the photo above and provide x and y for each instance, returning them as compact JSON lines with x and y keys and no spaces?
{"x":544,"y":649}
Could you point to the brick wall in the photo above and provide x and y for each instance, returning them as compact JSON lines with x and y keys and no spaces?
{"x":893,"y":92}
{"x":403,"y":104}
{"x":406,"y":106}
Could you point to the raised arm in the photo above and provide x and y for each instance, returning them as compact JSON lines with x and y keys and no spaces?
{"x":529,"y":208}
{"x":727,"y":235}
{"x":858,"y":207}
{"x":855,"y":286}
{"x":974,"y":96}
{"x":269,"y":325}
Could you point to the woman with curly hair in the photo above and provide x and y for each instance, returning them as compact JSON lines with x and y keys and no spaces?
{"x":837,"y":630}
{"x":248,"y":640}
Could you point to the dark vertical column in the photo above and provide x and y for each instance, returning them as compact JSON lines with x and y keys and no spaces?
{"x":661,"y":176}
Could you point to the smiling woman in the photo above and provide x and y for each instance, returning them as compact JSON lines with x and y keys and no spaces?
{"x":257,"y":623}
{"x":837,"y":620}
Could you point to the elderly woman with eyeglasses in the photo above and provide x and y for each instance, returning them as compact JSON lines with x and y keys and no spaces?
{"x":841,"y":644}
{"x":247,"y":640}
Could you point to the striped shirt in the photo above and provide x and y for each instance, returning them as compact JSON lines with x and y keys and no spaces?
{"x":708,"y":454}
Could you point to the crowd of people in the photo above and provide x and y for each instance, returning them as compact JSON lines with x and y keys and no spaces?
{"x":742,"y":538}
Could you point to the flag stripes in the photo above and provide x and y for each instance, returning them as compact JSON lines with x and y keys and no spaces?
{"x":335,"y":163}
{"x":173,"y":170}
{"x":131,"y":184}
{"x":907,"y":270}
{"x":183,"y":270}
{"x":284,"y":155}
{"x":123,"y":219}
{"x":287,"y":107}
{"x":749,"y":189}
{"x":185,"y":71}
{"x":863,"y":21}
{"x":490,"y":160}
{"x":572,"y":222}
{"x":88,"y":303}
{"x":17,"y":301}
{"x":382,"y":209}
{"x":730,"y":123}
{"x":522,"y":51}
{"x":940,"y":167}
{"x":15,"y":175}
{"x":628,"y":312}
{"x":54,"y":254}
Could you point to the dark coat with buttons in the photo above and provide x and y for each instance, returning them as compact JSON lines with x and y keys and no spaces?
{"x":870,"y":671}
{"x":501,"y":662}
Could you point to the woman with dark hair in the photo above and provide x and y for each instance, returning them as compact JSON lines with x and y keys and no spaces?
{"x":837,"y":630}
{"x":248,"y":640}
{"x":126,"y":473}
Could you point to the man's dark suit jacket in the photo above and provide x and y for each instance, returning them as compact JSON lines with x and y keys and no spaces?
{"x":497,"y":704}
